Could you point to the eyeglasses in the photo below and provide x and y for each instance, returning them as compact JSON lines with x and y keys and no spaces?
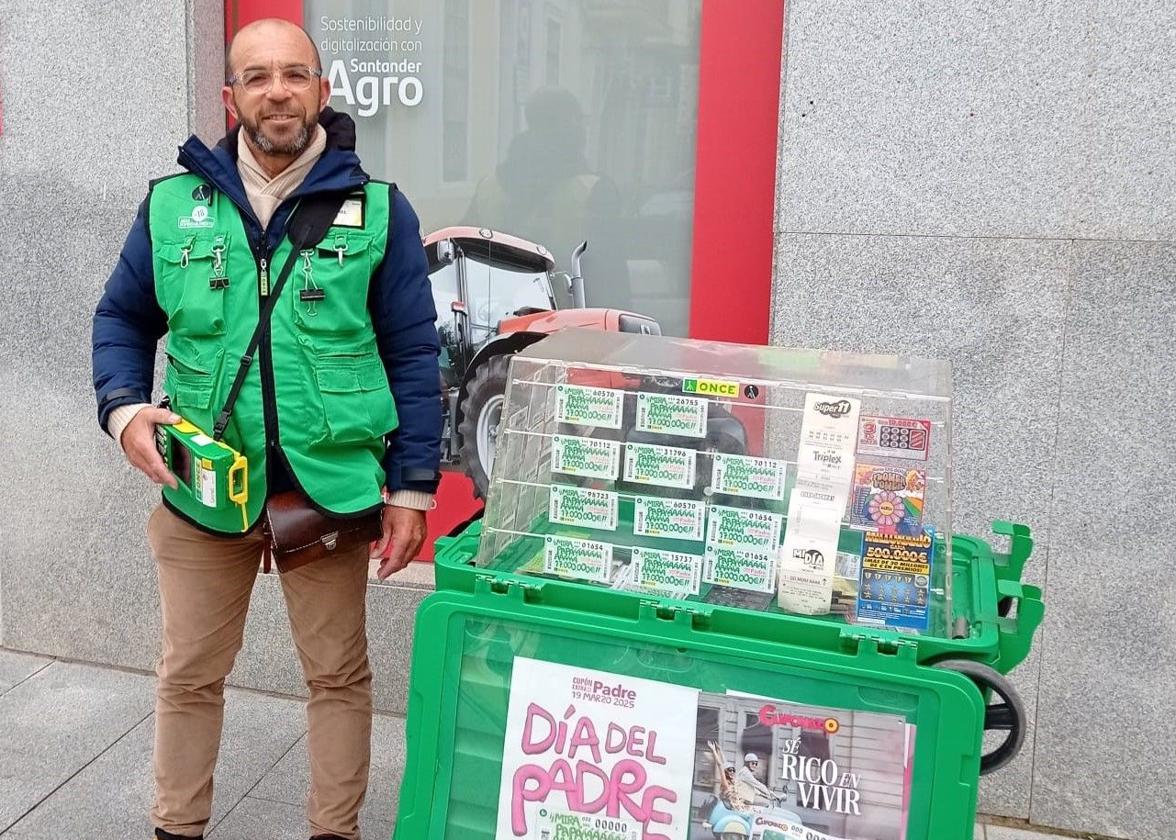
{"x":260,"y":80}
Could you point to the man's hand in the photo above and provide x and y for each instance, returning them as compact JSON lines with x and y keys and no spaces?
{"x":138,"y":442}
{"x":404,"y":531}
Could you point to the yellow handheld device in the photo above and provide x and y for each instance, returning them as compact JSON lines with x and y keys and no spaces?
{"x":210,"y":471}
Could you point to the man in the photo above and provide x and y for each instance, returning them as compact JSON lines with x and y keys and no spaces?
{"x":752,"y":789}
{"x":347,"y":370}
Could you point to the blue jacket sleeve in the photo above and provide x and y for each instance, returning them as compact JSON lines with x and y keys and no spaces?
{"x":127,"y":326}
{"x":401,"y":303}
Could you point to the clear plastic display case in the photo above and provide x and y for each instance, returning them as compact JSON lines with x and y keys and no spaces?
{"x":766,"y":478}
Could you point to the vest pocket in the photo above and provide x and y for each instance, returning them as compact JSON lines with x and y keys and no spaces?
{"x":337,"y":273}
{"x":188,"y":268}
{"x":191,"y":380}
{"x":357,"y":403}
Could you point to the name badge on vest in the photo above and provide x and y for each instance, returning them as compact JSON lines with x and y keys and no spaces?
{"x":350,"y":215}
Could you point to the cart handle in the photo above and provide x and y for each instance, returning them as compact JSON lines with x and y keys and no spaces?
{"x":1016,"y":628}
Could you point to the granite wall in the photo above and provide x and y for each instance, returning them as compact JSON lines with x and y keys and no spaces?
{"x":993,"y":183}
{"x":96,"y":98}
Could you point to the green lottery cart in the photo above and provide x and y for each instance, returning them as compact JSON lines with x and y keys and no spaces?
{"x":715,"y":595}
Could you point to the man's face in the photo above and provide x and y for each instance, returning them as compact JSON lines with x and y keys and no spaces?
{"x":279,"y":119}
{"x":752,"y":765}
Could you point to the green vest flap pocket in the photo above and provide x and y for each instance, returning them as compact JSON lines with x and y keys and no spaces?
{"x":187,"y":391}
{"x":194,"y":278}
{"x":332,"y":286}
{"x":357,"y":403}
{"x":191,"y":378}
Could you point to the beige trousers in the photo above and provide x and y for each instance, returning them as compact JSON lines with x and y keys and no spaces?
{"x":204,"y":586}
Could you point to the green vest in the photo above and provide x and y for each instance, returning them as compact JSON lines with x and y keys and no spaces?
{"x":330,"y":405}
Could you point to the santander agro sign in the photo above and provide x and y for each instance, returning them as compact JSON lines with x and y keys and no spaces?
{"x":369,"y":68}
{"x":370,"y":85}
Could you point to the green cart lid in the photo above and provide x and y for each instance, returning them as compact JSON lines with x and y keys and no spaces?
{"x":599,"y":726}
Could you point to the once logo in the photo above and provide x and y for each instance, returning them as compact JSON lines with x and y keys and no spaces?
{"x":711,"y":387}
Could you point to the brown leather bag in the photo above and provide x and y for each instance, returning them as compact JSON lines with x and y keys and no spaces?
{"x":297,"y":534}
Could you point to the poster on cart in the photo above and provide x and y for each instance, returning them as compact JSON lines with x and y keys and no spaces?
{"x":611,"y":757}
{"x":594,"y":754}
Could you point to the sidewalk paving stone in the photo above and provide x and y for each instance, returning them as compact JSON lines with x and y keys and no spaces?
{"x":57,"y":722}
{"x":289,"y":780}
{"x":111,"y":796}
{"x":15,"y":667}
{"x":259,"y":819}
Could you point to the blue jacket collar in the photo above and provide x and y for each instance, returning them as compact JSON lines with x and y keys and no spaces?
{"x":338,"y":168}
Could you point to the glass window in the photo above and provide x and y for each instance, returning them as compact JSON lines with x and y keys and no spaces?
{"x":553,"y":120}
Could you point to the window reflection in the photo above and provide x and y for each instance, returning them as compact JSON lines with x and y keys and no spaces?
{"x":553,"y":120}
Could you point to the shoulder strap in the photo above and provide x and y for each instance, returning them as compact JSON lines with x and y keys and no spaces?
{"x":307,"y":226}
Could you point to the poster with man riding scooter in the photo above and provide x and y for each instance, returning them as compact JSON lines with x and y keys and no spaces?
{"x":591,"y":755}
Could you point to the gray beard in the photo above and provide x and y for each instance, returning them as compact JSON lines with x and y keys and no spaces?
{"x":297,"y":143}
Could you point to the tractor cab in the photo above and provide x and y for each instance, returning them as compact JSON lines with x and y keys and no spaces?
{"x":496,"y":294}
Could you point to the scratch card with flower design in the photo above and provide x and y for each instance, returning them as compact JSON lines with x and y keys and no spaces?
{"x":887,"y":499}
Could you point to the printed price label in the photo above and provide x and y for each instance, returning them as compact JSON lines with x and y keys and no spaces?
{"x":667,"y":466}
{"x":739,"y":475}
{"x":583,"y":559}
{"x":729,"y":527}
{"x":585,"y":456}
{"x":672,"y":518}
{"x":740,"y":568}
{"x":671,"y":415}
{"x":582,"y":506}
{"x":666,"y":570}
{"x":602,"y":407}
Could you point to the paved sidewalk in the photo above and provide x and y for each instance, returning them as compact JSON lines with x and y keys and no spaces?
{"x":75,"y":759}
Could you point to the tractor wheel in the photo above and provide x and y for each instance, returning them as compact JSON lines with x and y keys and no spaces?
{"x":481,"y":411}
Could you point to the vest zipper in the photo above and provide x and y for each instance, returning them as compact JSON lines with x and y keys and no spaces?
{"x":265,"y":362}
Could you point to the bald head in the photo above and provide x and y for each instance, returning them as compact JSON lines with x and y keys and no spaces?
{"x":274,"y":88}
{"x":250,"y":36}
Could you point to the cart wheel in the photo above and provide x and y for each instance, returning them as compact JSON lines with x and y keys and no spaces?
{"x":1006,"y":714}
